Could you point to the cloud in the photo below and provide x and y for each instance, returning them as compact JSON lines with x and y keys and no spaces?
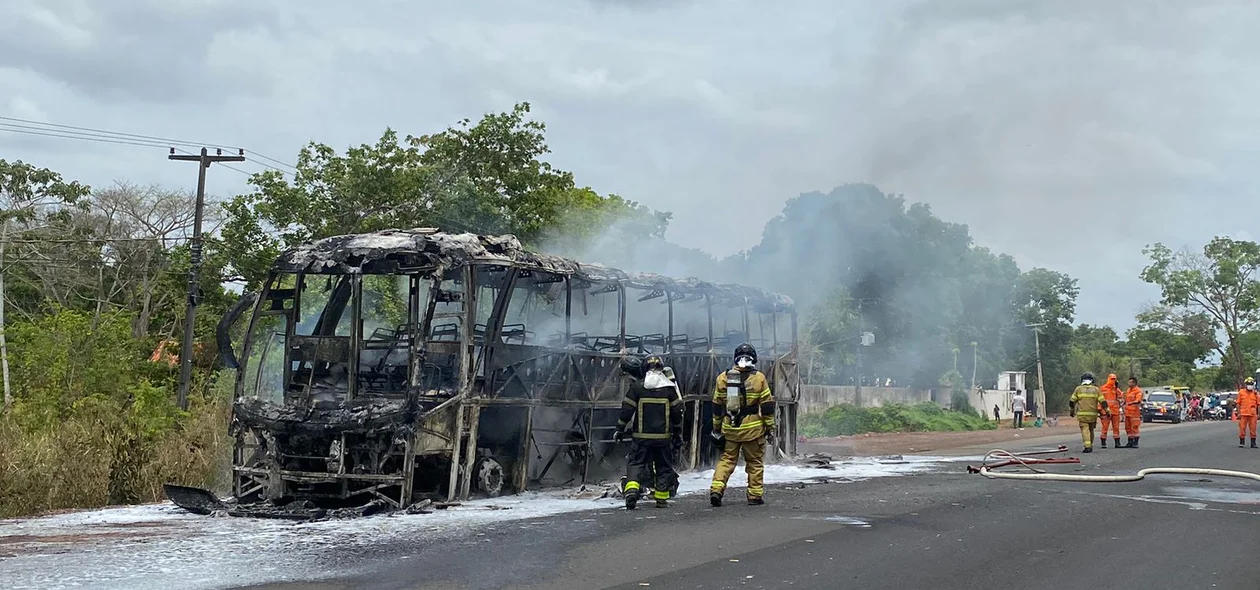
{"x":1066,"y":133}
{"x":126,"y":50}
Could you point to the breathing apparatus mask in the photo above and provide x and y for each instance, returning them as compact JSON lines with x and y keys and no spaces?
{"x":745,"y":362}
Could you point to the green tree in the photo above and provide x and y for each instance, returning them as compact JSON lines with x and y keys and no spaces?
{"x":487,"y":177}
{"x":1047,"y":297}
{"x":1220,"y":282}
{"x":827,"y":335}
{"x":500,"y":160}
{"x":30,"y":198}
{"x":33,"y":195}
{"x":1170,"y":356}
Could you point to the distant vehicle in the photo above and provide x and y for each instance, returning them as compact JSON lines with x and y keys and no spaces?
{"x":1161,"y":405}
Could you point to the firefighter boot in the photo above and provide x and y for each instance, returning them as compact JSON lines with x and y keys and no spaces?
{"x":1117,"y":439}
{"x":1104,"y":443}
{"x":631,"y":490}
{"x":715,"y":499}
{"x":1241,"y":442}
{"x":1135,"y":441}
{"x":1253,"y":444}
{"x":1088,"y":450}
{"x":756,"y":500}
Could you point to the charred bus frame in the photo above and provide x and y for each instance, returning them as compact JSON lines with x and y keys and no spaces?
{"x":411,"y":364}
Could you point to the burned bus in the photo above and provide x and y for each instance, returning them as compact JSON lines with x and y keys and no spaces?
{"x":416,"y":364}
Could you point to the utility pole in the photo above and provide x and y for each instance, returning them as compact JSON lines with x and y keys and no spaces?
{"x":204,"y":160}
{"x":862,"y":341}
{"x":857,"y":384}
{"x":4,"y":345}
{"x":1041,"y":384}
{"x":975,"y":360}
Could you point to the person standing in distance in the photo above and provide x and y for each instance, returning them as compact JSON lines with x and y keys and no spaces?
{"x":1132,"y":414}
{"x":1247,"y":402}
{"x":1018,"y":404}
{"x":743,"y":420}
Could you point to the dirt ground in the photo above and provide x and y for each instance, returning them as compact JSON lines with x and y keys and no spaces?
{"x":922,"y":442}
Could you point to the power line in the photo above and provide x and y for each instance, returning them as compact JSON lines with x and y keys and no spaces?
{"x":159,"y":140}
{"x":123,"y":139}
{"x":95,"y":240}
{"x":286,"y":165}
{"x":62,"y":131}
{"x":83,"y":138}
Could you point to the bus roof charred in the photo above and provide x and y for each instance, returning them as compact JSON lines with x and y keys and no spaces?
{"x":404,"y":251}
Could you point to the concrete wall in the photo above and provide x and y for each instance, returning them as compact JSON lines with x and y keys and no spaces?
{"x":815,"y":398}
{"x":985,"y":400}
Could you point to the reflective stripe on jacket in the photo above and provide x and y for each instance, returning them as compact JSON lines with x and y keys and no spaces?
{"x":1088,"y":400}
{"x":756,"y":408}
{"x":655,"y":414}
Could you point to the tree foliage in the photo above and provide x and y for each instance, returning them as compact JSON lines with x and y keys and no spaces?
{"x":488,"y":177}
{"x":1220,"y":282}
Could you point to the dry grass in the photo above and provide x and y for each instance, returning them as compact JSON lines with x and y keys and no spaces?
{"x":89,"y":461}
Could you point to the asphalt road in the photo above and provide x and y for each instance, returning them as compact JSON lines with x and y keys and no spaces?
{"x":941,"y":530}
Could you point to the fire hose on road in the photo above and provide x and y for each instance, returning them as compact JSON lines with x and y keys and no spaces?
{"x":1007,"y":458}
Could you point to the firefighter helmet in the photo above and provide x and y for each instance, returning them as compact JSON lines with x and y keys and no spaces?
{"x":1250,"y":381}
{"x":747,"y":350}
{"x":653,"y":362}
{"x":1087,"y":377}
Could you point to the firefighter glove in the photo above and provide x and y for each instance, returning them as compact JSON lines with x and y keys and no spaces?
{"x":619,"y":435}
{"x":717,"y":435}
{"x":770,"y":436}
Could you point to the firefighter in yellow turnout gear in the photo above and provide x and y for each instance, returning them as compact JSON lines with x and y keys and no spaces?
{"x":652,"y":415}
{"x":743,"y":416}
{"x":1085,"y":404}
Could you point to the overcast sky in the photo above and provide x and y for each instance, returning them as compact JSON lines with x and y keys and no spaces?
{"x":1066,"y":133}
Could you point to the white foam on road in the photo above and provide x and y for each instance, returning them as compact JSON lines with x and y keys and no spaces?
{"x":161,"y":546}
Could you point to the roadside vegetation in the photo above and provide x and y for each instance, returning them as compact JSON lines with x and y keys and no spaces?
{"x":847,"y":420}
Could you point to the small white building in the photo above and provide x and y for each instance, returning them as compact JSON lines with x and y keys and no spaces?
{"x":1007,"y":382}
{"x":1012,"y":380}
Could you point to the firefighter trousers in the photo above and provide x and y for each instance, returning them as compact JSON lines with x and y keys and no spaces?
{"x":1109,"y":422}
{"x":1087,"y":430}
{"x":754,"y":452}
{"x":1246,"y":424}
{"x":1133,"y":425}
{"x":651,"y":462}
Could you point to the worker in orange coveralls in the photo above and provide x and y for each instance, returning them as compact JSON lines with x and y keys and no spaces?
{"x":1132,"y":414}
{"x":1111,"y":414}
{"x":1247,"y":401}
